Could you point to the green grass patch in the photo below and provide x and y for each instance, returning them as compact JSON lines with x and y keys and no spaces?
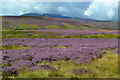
{"x":16,"y":34}
{"x":52,"y":27}
{"x":68,"y":25}
{"x":103,"y":68}
{"x":26,"y":27}
{"x":36,"y":74}
{"x":14,"y":47}
{"x":83,"y":27}
{"x":93,"y":26}
{"x":60,"y":47}
{"x":106,"y":36}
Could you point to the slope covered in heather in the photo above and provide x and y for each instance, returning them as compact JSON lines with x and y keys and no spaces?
{"x":49,"y":23}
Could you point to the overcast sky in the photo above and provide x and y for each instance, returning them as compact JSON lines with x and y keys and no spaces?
{"x":94,"y":9}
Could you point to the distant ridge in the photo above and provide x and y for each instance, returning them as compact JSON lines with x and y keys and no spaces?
{"x":61,"y":16}
{"x":47,"y":15}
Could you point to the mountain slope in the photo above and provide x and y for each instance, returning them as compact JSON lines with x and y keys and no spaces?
{"x":49,"y":23}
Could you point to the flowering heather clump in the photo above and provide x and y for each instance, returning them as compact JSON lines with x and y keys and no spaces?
{"x":81,"y":50}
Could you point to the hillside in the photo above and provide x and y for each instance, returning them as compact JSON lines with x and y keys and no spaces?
{"x":49,"y":23}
